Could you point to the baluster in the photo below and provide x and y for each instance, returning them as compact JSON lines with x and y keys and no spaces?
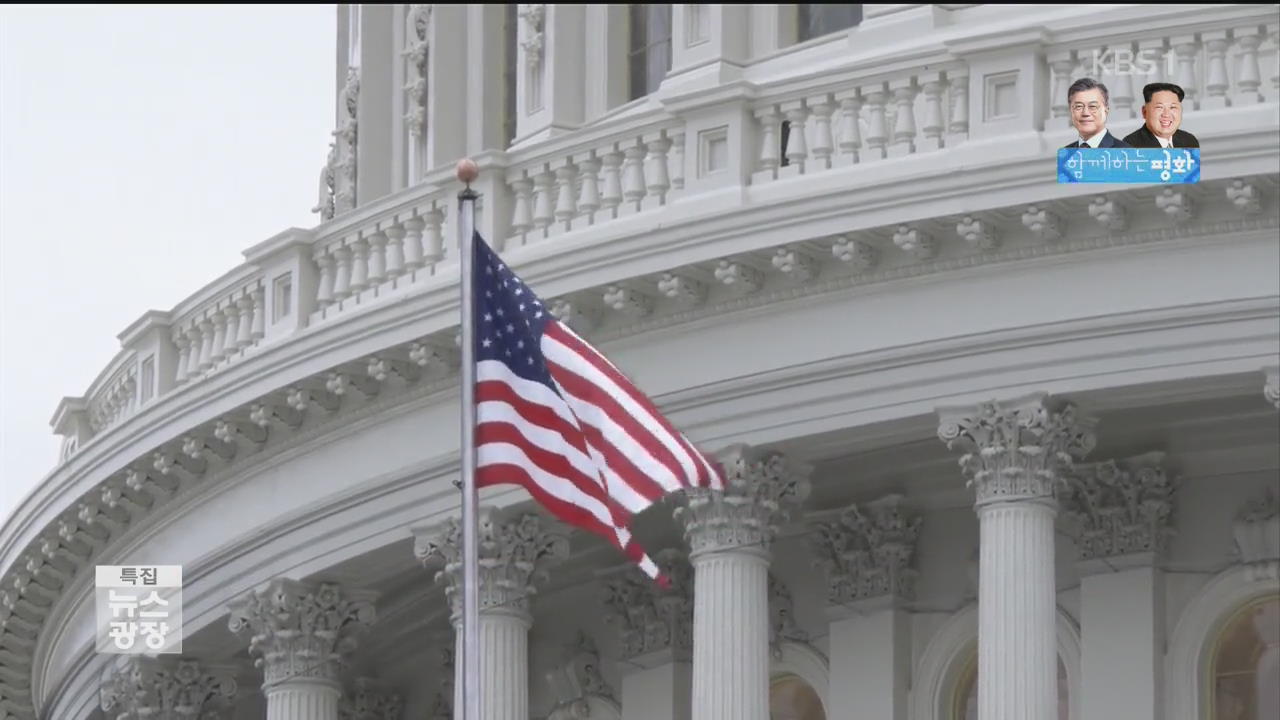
{"x":611,"y":172}
{"x":359,"y":265}
{"x":395,"y":251}
{"x":676,"y":163}
{"x":797,"y":143}
{"x":1273,"y":32}
{"x":324,"y":290}
{"x":521,"y":217}
{"x":633,"y":175}
{"x":589,"y":199}
{"x":377,"y":242}
{"x":904,"y":124}
{"x":433,"y":236}
{"x":1122,"y":96}
{"x":206,"y":344}
{"x":877,"y":134}
{"x":566,"y":203}
{"x":958,"y":129}
{"x":933,"y":122}
{"x":658,"y":181}
{"x":184,"y":356}
{"x":542,"y":213}
{"x":259,"y":314}
{"x":195,"y":339}
{"x":769,"y":161}
{"x":342,"y":278}
{"x":850,"y":132}
{"x":219,"y":335}
{"x":244,"y":338}
{"x":1215,"y":81}
{"x":232,"y":315}
{"x":413,"y":226}
{"x":1185,"y":48}
{"x":1153,"y":52}
{"x":1249,"y":80}
{"x":1062,"y":65}
{"x":823,"y":144}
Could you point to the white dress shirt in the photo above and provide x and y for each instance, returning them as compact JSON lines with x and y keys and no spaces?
{"x":1094,"y":141}
{"x":1164,"y":142}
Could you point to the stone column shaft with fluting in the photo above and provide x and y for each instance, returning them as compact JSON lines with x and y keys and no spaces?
{"x":301,"y":633}
{"x":1015,"y":455}
{"x":514,"y":556}
{"x":729,"y":533}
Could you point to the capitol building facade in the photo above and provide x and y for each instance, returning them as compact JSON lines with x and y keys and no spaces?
{"x":998,"y":448}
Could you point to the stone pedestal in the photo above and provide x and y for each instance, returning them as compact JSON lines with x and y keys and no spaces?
{"x":1016,"y":455}
{"x":729,"y":534}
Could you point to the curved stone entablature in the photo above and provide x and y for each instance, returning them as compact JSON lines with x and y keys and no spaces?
{"x":891,"y":188}
{"x":398,"y":372}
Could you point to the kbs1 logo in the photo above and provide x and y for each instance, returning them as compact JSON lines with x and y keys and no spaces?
{"x":1123,"y":61}
{"x":139,"y":609}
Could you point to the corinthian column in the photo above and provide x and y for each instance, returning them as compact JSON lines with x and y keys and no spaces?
{"x":1118,"y":514}
{"x":166,"y":687}
{"x":1015,"y":454}
{"x":301,"y":631}
{"x":867,"y":553}
{"x":514,"y":556}
{"x":729,"y":534}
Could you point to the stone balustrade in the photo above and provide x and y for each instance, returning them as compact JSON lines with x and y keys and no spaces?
{"x":948,"y":97}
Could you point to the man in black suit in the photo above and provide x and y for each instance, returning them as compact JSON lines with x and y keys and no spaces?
{"x":1162,"y":111}
{"x":1089,"y":103}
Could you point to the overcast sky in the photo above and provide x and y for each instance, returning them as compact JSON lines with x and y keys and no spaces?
{"x":141,"y":150}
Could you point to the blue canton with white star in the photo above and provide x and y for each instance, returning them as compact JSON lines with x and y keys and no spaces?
{"x":509,"y":318}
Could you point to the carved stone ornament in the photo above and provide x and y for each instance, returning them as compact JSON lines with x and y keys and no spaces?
{"x":1271,"y":389}
{"x":761,"y":489}
{"x":1116,"y":509}
{"x":166,"y":687}
{"x":1016,"y":450}
{"x":1257,"y":535}
{"x":576,"y":680}
{"x":650,"y":619}
{"x":514,"y":558}
{"x":416,"y":55}
{"x":301,"y":630}
{"x":534,"y":16}
{"x":328,"y":182}
{"x":782,"y":618}
{"x":368,"y":700}
{"x":868,"y":552}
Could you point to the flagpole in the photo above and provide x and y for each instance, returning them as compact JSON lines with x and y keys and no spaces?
{"x":467,"y":172}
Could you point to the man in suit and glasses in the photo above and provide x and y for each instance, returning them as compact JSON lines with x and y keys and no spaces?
{"x":1162,"y":110}
{"x":1089,"y":103}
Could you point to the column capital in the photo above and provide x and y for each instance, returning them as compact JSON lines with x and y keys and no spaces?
{"x":1016,"y":449}
{"x":1119,"y":508}
{"x":867,"y":552}
{"x":761,"y":489}
{"x":576,"y":679}
{"x":515,"y":555}
{"x":1257,"y":535}
{"x":166,"y":686}
{"x":368,"y":699}
{"x":301,"y":630}
{"x":650,"y":619}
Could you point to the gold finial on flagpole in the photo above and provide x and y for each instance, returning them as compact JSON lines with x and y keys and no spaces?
{"x":467,"y":171}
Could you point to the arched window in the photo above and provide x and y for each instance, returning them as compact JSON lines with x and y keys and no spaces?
{"x":1244,"y":667}
{"x":965,"y":706}
{"x":791,"y":698}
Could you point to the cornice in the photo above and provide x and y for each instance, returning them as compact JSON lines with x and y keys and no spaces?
{"x":347,"y":343}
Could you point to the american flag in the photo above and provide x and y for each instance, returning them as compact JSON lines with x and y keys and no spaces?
{"x":555,"y":416}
